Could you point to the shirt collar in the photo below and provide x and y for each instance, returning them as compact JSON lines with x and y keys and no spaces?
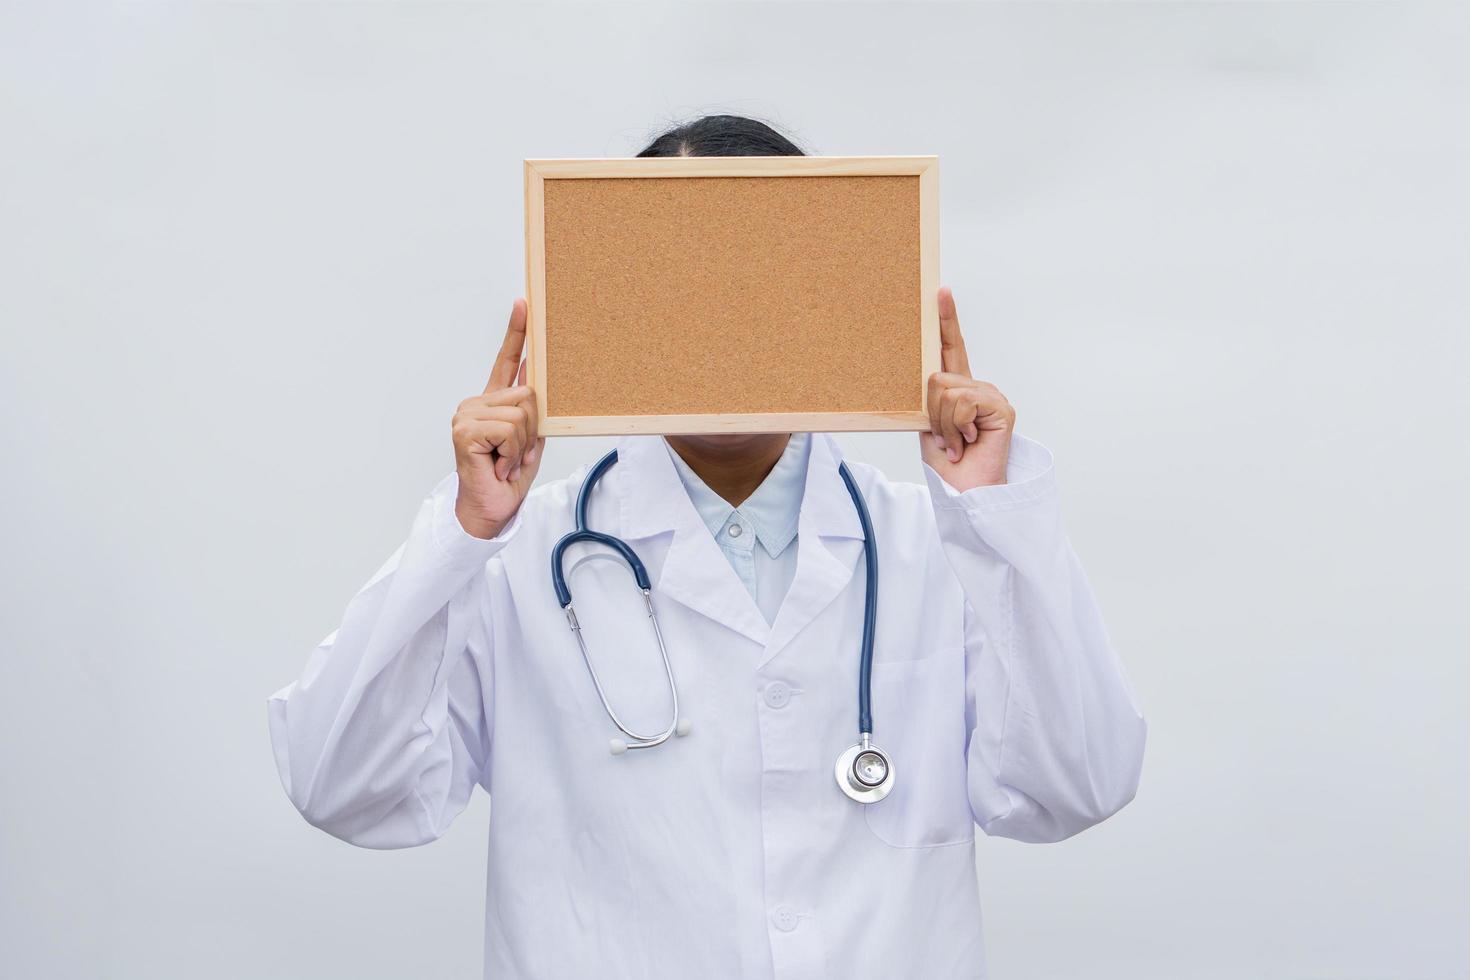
{"x":649,"y":499}
{"x":772,"y":510}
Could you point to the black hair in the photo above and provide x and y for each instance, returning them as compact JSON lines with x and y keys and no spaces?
{"x":722,"y":136}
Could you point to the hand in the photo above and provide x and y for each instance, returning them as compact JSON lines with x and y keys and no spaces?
{"x":970,"y":421}
{"x":496,"y":450}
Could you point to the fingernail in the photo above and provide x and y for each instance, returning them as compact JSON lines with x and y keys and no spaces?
{"x":971,"y":434}
{"x":939,"y":441}
{"x":954,"y":455}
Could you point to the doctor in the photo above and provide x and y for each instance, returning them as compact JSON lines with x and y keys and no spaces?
{"x":729,"y":852}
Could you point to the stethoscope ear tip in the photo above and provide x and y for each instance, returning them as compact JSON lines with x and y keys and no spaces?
{"x":619,"y":746}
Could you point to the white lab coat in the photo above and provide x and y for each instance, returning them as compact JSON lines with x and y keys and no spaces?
{"x":730,"y":852}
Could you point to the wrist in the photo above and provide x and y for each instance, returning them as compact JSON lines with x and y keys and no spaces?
{"x":961,"y":483}
{"x":1030,"y":478}
{"x":477,"y":526}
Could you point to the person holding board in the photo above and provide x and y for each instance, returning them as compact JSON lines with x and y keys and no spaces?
{"x":711,"y":836}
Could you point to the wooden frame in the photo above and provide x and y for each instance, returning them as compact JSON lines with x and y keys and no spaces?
{"x":538,"y":171}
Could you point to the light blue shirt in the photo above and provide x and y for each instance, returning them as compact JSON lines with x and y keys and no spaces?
{"x":768,"y":517}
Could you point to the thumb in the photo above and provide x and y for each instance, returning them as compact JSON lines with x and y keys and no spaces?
{"x":930,"y":452}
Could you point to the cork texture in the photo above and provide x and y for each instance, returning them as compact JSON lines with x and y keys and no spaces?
{"x":694,"y":295}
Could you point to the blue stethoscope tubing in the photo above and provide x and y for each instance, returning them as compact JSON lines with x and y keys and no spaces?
{"x":864,"y":772}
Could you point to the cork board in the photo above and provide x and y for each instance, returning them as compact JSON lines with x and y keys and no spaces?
{"x":732,"y":294}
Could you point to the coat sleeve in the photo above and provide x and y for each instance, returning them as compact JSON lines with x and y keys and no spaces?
{"x":1056,"y":735}
{"x":382,"y":738}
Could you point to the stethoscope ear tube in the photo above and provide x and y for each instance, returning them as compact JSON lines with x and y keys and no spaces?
{"x":558,"y":579}
{"x":635,"y":740}
{"x":581,"y":533}
{"x":870,"y":603}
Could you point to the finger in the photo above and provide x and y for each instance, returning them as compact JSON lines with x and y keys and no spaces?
{"x":503,"y":374}
{"x":966,"y":411}
{"x":492,"y":406}
{"x":952,"y":354}
{"x":929,"y":450}
{"x":514,"y":414}
{"x":499,"y":398}
{"x":951,"y":404}
{"x":965,"y":414}
{"x":528,"y":404}
{"x":937,"y":388}
{"x":508,"y":452}
{"x":939,"y":383}
{"x":502,"y":437}
{"x":489,"y":436}
{"x":982,"y":407}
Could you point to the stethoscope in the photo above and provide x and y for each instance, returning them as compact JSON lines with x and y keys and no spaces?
{"x":864,"y":772}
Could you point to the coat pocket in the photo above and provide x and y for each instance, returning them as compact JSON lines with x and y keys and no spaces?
{"x":919,"y":720}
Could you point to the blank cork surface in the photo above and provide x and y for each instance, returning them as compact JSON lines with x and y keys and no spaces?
{"x":693,"y":295}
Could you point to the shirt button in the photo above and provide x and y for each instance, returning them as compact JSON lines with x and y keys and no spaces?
{"x":735,"y":530}
{"x":783,"y":917}
{"x":778,"y":695}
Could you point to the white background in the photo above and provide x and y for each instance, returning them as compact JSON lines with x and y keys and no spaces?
{"x":251,"y":256}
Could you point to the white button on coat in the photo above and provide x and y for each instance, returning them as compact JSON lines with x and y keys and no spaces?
{"x":995,"y":691}
{"x":778,"y":695}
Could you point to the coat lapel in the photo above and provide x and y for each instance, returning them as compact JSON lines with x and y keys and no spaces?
{"x":829,"y":542}
{"x":695,"y":572}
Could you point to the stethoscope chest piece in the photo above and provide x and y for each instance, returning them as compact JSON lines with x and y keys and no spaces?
{"x":865,"y":772}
